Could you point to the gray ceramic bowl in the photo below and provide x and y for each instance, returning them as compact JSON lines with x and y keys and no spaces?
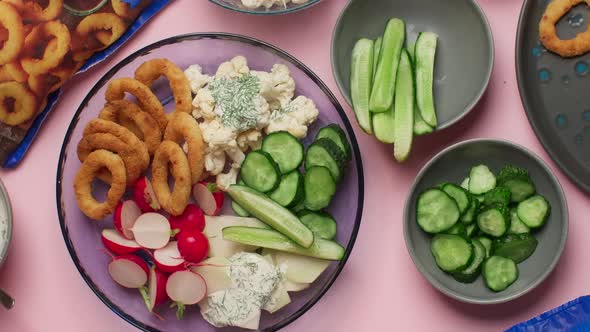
{"x":465,"y":54}
{"x":236,"y":5}
{"x":452,"y":165}
{"x":5,"y":223}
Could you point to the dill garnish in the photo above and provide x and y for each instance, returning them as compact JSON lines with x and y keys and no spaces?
{"x":235,"y":97}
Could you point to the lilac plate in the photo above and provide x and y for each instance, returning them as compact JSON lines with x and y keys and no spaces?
{"x":82,"y":236}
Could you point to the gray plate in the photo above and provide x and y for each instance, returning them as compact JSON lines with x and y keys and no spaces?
{"x":453,"y":165}
{"x":554,"y":91}
{"x":5,"y":223}
{"x":465,"y":54}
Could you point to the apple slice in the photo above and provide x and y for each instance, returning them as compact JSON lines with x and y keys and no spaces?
{"x":116,"y":243}
{"x":129,"y":271}
{"x":151,"y":230}
{"x":215,"y":271}
{"x":185,"y":288}
{"x":125,"y":215}
{"x":144,"y":195}
{"x":209,"y":198}
{"x":168,"y":258}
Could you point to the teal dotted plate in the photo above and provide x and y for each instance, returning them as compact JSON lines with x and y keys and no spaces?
{"x":554,"y":90}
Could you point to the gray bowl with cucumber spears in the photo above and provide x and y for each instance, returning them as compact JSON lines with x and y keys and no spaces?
{"x":486,"y":221}
{"x":463,"y":61}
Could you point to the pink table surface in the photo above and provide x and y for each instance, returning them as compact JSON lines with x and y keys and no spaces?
{"x":380,"y":289}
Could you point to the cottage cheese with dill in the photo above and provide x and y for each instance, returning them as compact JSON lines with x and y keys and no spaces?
{"x":254,"y":279}
{"x":237,"y":105}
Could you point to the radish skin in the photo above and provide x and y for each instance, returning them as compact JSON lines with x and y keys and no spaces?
{"x":191,"y":220}
{"x":209,"y":198}
{"x":126,"y":213}
{"x":129,"y":271}
{"x":168,"y":258}
{"x":144,"y":195}
{"x":116,"y":243}
{"x":193,"y":247}
{"x":152,"y":230}
{"x":157,"y":289}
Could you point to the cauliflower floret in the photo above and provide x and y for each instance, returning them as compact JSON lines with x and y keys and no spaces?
{"x":263,"y":111}
{"x":236,"y":155}
{"x":227,"y":179}
{"x":217,"y":136}
{"x":197,"y":79}
{"x":204,"y":105}
{"x":250,"y":140}
{"x":234,"y":68}
{"x":214,"y":161}
{"x":277,"y":87}
{"x":294,"y":118}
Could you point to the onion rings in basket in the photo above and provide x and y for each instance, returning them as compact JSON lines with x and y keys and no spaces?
{"x":184,"y":127}
{"x":104,"y":141}
{"x":95,"y":23}
{"x":548,"y":32}
{"x":149,"y":71}
{"x":147,"y":100}
{"x":128,"y":114}
{"x":16,"y":71}
{"x":171,"y":154}
{"x":17,"y":103}
{"x":95,"y":162}
{"x":54,"y":52}
{"x":124,"y":10}
{"x":11,"y":21}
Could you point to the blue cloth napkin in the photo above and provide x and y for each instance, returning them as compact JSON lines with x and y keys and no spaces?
{"x":573,"y":316}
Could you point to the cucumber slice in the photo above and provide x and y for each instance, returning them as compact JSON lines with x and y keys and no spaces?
{"x":516,"y":225}
{"x":452,"y":253}
{"x":494,"y":220}
{"x":470,"y":230}
{"x":534,"y":211}
{"x":267,"y":238}
{"x":420,"y":126}
{"x":384,"y":126}
{"x":240,"y":211}
{"x":290,"y":190}
{"x":285,"y":149}
{"x":376,"y":53}
{"x":460,"y":195}
{"x":499,"y":273}
{"x":518,"y":181}
{"x":517,"y":247}
{"x":465,"y":184}
{"x":404,"y":109}
{"x":320,"y":223}
{"x":260,"y":172}
{"x":457,"y":229}
{"x":271,"y":213}
{"x":319,"y":188}
{"x":497,"y":195}
{"x":470,"y":273}
{"x":487,"y":243}
{"x":337,"y":135}
{"x":361,"y":82}
{"x":425,"y":51}
{"x":481,"y":180}
{"x":383,"y":88}
{"x":324,"y":152}
{"x":436,"y":211}
{"x":469,"y":216}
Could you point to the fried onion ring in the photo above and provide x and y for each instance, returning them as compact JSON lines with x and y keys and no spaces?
{"x":548,"y":32}
{"x":4,"y":74}
{"x":54,"y":52}
{"x":151,"y":70}
{"x":184,"y":127}
{"x":133,"y":163}
{"x":45,"y":84}
{"x":147,"y":127}
{"x":32,"y":11}
{"x":97,"y":126}
{"x":147,"y":100}
{"x":12,"y":22}
{"x":17,"y":103}
{"x":124,"y":10}
{"x":171,"y":154}
{"x":98,"y":23}
{"x":95,"y":162}
{"x":16,"y":71}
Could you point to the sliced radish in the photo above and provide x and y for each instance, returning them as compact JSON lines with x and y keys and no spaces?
{"x":129,"y":271}
{"x":125,"y":215}
{"x":151,"y":230}
{"x":144,"y":195}
{"x":191,"y":220}
{"x":185,"y":288}
{"x":193,"y":247}
{"x":116,"y":243}
{"x":157,"y":288}
{"x":168,"y":259}
{"x":209,"y":197}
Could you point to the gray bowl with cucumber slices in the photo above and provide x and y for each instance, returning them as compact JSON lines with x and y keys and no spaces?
{"x":485,"y":221}
{"x":464,"y":52}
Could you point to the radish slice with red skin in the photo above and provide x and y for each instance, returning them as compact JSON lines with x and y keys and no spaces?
{"x":129,"y":271}
{"x":117,"y":244}
{"x":191,"y":220}
{"x":193,"y":247}
{"x":157,"y":288}
{"x":144,"y":195}
{"x":126,"y":213}
{"x":152,"y":230}
{"x":209,"y":198}
{"x":168,"y":258}
{"x":185,"y":288}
